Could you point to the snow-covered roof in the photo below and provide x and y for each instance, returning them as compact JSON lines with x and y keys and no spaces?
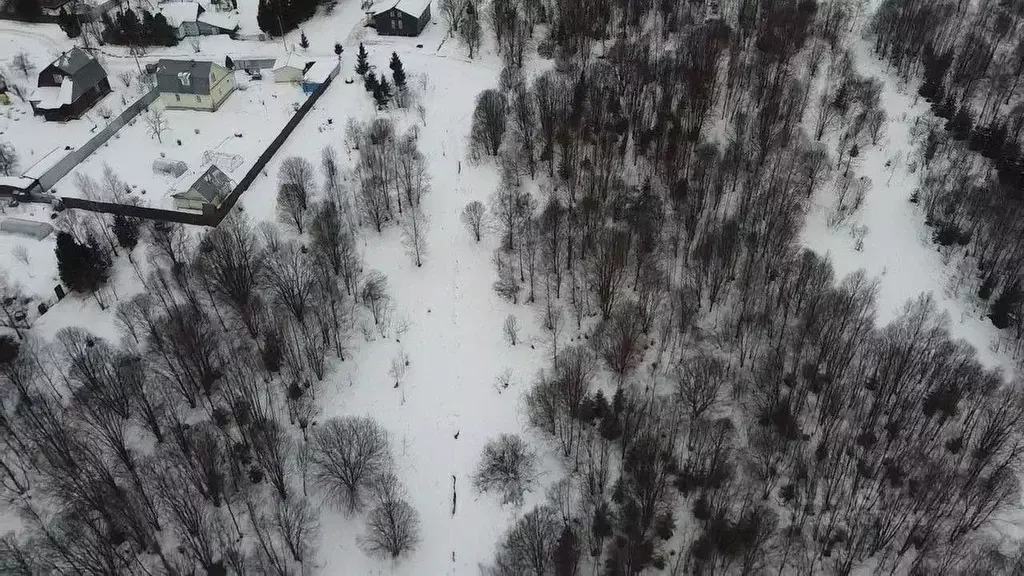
{"x":319,"y":71}
{"x":18,"y":182}
{"x":411,"y":7}
{"x":23,"y":227}
{"x":177,"y":13}
{"x":45,"y":163}
{"x":222,"y":20}
{"x":292,"y":60}
{"x":53,"y":97}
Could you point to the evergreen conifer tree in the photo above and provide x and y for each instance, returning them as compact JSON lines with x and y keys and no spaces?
{"x":383,"y":92}
{"x":126,"y":230}
{"x":1004,"y":305}
{"x":82,"y":267}
{"x":397,"y":71}
{"x":362,"y":65}
{"x":370,"y":82}
{"x":303,"y":41}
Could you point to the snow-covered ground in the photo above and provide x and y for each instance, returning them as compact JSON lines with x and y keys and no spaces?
{"x":454,"y":340}
{"x":451,"y":315}
{"x":897,"y":248}
{"x":229,"y":131}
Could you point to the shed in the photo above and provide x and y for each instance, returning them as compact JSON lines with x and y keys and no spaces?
{"x":23,"y":227}
{"x":402,"y":17}
{"x":250,"y":64}
{"x":210,"y":189}
{"x":317,"y":75}
{"x":290,"y":68}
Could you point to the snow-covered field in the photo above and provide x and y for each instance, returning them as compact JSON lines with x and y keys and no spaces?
{"x":229,"y":131}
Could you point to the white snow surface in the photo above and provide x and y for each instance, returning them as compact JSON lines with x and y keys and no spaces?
{"x":454,"y":318}
{"x":898,"y":249}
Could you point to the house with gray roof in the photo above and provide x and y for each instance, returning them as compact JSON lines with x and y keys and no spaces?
{"x":210,"y":189}
{"x":193,"y":84}
{"x":69,"y":86}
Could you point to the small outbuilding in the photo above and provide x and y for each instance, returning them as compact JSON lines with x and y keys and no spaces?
{"x":210,"y":189}
{"x":402,"y":17}
{"x":317,"y":75}
{"x":290,"y":68}
{"x":172,"y":167}
{"x":26,"y":228}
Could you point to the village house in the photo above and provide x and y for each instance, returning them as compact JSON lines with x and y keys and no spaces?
{"x":193,"y":84}
{"x":402,"y":17}
{"x":69,"y":86}
{"x":191,"y":19}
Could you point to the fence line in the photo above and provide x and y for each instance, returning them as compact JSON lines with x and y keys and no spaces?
{"x":66,"y":164}
{"x":210,"y":217}
{"x":272,"y":149}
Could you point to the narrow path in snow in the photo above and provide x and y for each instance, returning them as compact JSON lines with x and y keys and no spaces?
{"x":897,"y":249}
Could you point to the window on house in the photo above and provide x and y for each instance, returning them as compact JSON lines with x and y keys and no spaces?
{"x":399,"y":25}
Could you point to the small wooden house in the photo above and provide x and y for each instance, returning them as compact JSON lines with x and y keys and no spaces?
{"x":402,"y":17}
{"x":210,"y":189}
{"x":290,"y":68}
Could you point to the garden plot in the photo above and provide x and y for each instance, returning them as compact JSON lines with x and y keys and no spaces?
{"x":232,"y":137}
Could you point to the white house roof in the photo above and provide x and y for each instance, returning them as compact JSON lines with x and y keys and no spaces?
{"x":53,"y":97}
{"x":411,"y":7}
{"x":292,"y":60}
{"x":222,"y":20}
{"x":319,"y":71}
{"x":178,"y":13}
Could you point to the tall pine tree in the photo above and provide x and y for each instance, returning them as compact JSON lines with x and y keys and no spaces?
{"x":362,"y":65}
{"x":126,"y":230}
{"x":397,"y":71}
{"x":383,"y":92}
{"x":82,"y":267}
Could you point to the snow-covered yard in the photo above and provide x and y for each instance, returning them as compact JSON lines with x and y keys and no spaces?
{"x":227,"y":137}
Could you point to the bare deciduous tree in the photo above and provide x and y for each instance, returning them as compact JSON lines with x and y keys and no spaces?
{"x":22,"y":62}
{"x":489,"y":118}
{"x":156,"y":123}
{"x":291,"y":277}
{"x":393,"y":525}
{"x":511,"y":329}
{"x":473,"y":217}
{"x":347,"y":455}
{"x":528,"y":547}
{"x":414,"y":234}
{"x":507,"y":466}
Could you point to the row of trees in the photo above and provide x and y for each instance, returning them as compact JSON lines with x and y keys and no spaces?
{"x":722,"y":402}
{"x":127,"y":29}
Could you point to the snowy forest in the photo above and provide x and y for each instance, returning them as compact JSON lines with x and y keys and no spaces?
{"x":713,"y":398}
